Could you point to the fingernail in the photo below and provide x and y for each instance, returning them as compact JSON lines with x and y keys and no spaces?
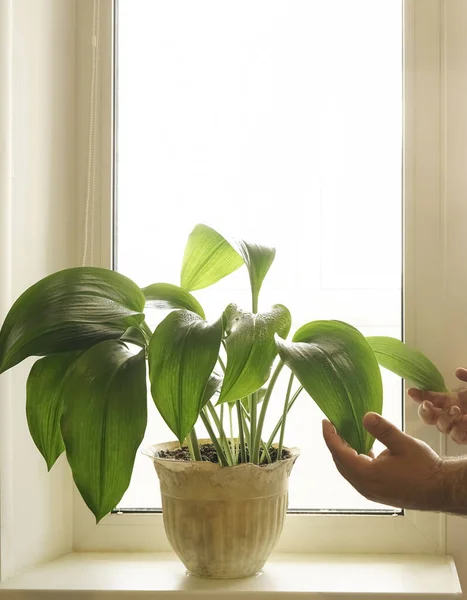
{"x":328,"y":427}
{"x":452,"y":411}
{"x":424,"y":406}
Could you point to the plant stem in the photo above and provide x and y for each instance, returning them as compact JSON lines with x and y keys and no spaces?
{"x":241,"y":433}
{"x":220,"y":428}
{"x":265,"y":452}
{"x":252,"y":405}
{"x":232,"y":438}
{"x":228,"y":447}
{"x":247,"y":435}
{"x":264,"y":408}
{"x":254,"y":302}
{"x":221,"y":417}
{"x":221,"y":362}
{"x":279,"y":423}
{"x":284,"y":417}
{"x":146,"y":331}
{"x":212,"y":435}
{"x":193,"y":445}
{"x":244,"y":411}
{"x":245,"y":422}
{"x":265,"y":456}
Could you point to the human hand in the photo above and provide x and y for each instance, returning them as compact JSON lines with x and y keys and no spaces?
{"x":407,"y":475}
{"x":448,"y":411}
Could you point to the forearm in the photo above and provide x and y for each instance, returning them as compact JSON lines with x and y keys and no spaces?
{"x":452,"y":490}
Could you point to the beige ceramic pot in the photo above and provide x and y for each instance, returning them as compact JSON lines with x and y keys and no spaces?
{"x":222,"y":522}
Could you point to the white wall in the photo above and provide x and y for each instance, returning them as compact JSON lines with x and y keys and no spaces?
{"x":40,"y":194}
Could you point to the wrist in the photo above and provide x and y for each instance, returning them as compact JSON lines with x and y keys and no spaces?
{"x":450,"y":486}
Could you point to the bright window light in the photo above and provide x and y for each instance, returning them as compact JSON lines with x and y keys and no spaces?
{"x":280,"y":122}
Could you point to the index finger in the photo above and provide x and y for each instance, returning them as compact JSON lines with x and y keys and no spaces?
{"x":438,"y":399}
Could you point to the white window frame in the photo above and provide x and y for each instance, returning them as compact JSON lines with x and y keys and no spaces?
{"x":41,"y":517}
{"x":425,"y":267}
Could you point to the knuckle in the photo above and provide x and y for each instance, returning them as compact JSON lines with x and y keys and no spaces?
{"x":426,"y":415}
{"x":442,"y":426}
{"x":385,"y":430}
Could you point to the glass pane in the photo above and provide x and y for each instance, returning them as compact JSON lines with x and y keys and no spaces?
{"x":279,"y":122}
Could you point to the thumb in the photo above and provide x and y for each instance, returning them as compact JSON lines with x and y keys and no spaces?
{"x":388,"y":434}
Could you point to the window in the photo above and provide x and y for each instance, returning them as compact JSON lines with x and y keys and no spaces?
{"x":434,"y":255}
{"x":425,"y":255}
{"x":279,"y":122}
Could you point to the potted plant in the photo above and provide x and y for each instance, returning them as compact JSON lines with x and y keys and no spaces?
{"x":224,"y":498}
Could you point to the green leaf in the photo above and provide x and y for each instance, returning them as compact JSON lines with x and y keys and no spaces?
{"x":69,"y":310}
{"x":103,"y":421}
{"x":338,"y":369}
{"x":44,"y":403}
{"x":208,"y":258}
{"x":182,"y":354}
{"x":407,"y":362}
{"x":167,"y":295}
{"x":246,"y":401}
{"x":258,"y":260}
{"x":134,"y":335}
{"x":212,"y":387}
{"x":251,"y":348}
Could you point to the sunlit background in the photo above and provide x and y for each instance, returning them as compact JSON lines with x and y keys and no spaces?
{"x":280,"y":122}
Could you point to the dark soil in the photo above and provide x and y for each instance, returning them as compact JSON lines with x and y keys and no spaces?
{"x":209,"y":454}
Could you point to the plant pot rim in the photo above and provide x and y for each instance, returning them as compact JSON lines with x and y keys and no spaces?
{"x":151,"y":452}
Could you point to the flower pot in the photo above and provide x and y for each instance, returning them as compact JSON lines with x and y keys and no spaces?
{"x":222,"y":522}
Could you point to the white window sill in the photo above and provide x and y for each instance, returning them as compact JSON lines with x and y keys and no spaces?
{"x":336,"y":577}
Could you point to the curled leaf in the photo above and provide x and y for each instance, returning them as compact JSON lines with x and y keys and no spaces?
{"x":338,"y":369}
{"x":251,"y":348}
{"x":69,"y":310}
{"x":167,"y":295}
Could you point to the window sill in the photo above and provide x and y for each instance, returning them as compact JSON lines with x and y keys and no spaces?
{"x":337,"y":577}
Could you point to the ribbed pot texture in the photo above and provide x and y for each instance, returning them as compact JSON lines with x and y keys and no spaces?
{"x":222,"y":522}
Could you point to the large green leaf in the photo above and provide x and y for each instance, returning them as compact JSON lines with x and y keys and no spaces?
{"x":258,"y":260}
{"x":69,"y":310}
{"x":44,"y":403}
{"x":407,"y":362}
{"x":208,"y":258}
{"x":103,"y":421}
{"x":337,"y":367}
{"x":251,"y":348}
{"x":182,"y":354}
{"x":167,"y":295}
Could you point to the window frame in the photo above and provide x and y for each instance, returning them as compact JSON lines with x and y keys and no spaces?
{"x":425,"y":254}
